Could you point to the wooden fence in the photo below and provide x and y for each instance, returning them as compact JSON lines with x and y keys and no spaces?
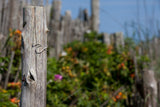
{"x":63,"y":29}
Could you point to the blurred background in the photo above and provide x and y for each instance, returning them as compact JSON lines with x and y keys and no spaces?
{"x":100,"y":52}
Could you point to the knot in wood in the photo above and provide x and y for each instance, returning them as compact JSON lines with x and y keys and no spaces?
{"x":31,"y":77}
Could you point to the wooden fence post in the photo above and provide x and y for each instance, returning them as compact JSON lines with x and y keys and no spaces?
{"x":5,"y":17}
{"x":106,"y":39}
{"x":95,"y":15}
{"x":158,"y":93}
{"x":66,"y":27}
{"x":59,"y":45}
{"x":117,"y":40}
{"x":34,"y":57}
{"x":150,"y":88}
{"x":1,"y":8}
{"x":155,"y":44}
{"x":57,"y":10}
{"x":15,"y":18}
{"x":55,"y":27}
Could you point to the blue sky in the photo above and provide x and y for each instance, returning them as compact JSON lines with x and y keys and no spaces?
{"x":115,"y":14}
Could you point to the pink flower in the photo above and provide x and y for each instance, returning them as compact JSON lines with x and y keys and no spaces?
{"x":57,"y":77}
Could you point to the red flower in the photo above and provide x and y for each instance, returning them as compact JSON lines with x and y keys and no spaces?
{"x":14,"y":84}
{"x":15,"y":100}
{"x":109,"y":51}
{"x":122,"y":65}
{"x":117,"y":97}
{"x":132,"y":75}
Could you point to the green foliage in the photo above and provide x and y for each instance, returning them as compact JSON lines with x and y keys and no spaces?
{"x":10,"y":97}
{"x":157,"y":69}
{"x":3,"y":64}
{"x":92,"y":72}
{"x":5,"y":99}
{"x":129,"y":43}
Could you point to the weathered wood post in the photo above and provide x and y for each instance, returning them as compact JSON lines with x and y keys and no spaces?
{"x":48,"y":11}
{"x":158,"y":85}
{"x":56,"y":10}
{"x":117,"y":40}
{"x":55,"y":26}
{"x":150,"y":88}
{"x":56,"y":21}
{"x":95,"y":15}
{"x":14,"y":21}
{"x":5,"y":17}
{"x":34,"y":57}
{"x":156,"y":48}
{"x":106,"y":39}
{"x":1,"y":8}
{"x":59,"y":45}
{"x":66,"y":27}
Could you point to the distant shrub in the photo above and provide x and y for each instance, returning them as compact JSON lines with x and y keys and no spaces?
{"x":92,"y":74}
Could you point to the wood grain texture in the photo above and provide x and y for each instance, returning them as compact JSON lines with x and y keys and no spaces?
{"x":107,"y":39}
{"x":37,"y":2}
{"x":66,"y":27}
{"x":0,"y":13}
{"x":158,"y":86}
{"x":150,"y":88}
{"x":54,"y":27}
{"x":34,"y":64}
{"x":117,"y":40}
{"x":95,"y":15}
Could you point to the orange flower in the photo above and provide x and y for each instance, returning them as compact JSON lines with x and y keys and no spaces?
{"x":120,"y":93}
{"x":18,"y":32}
{"x":122,"y":64}
{"x":15,"y":100}
{"x":69,"y":49}
{"x":18,"y":84}
{"x":117,"y":97}
{"x":114,"y":99}
{"x":132,"y":75}
{"x":14,"y":84}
